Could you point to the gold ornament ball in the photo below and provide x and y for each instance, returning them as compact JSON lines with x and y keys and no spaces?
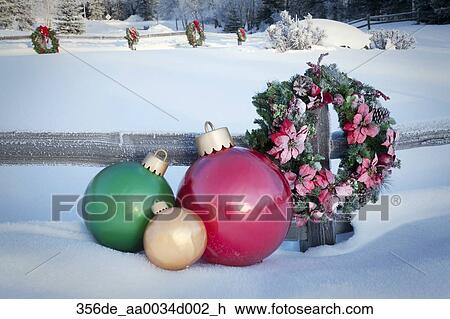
{"x":175,"y":238}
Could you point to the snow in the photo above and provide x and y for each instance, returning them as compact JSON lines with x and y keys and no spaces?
{"x":161,"y":66}
{"x":134,"y":18}
{"x":341,"y":34}
{"x":407,"y":256}
{"x":83,"y":269}
{"x":118,"y":28}
{"x":417,"y":231}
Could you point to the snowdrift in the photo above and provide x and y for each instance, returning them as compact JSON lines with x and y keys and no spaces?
{"x":77,"y":267}
{"x":341,"y":34}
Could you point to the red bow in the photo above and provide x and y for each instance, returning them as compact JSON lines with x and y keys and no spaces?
{"x":242,"y":32}
{"x":197,"y":25}
{"x":44,"y":31}
{"x":133,"y":33}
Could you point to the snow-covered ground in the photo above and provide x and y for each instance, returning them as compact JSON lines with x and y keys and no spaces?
{"x":408,"y":256}
{"x":216,"y":82}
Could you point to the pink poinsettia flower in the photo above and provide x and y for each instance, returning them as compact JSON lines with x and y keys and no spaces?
{"x":389,"y":143}
{"x":368,"y":174}
{"x":324,"y":178}
{"x":361,"y":127}
{"x":305,"y":183}
{"x":325,"y":196}
{"x":288,"y":142}
{"x":330,"y":192}
{"x":291,"y":178}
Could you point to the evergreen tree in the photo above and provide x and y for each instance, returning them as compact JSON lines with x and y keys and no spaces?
{"x":119,"y":10}
{"x":433,"y":11}
{"x":96,"y":9}
{"x":146,"y":9}
{"x":233,"y":20}
{"x":167,"y":8}
{"x":6,"y":13}
{"x":337,"y":10}
{"x":317,"y":8}
{"x":68,"y":17}
{"x":438,"y":4}
{"x":394,"y":6}
{"x":361,"y":8}
{"x":22,"y":14}
{"x":268,"y":8}
{"x":357,"y":9}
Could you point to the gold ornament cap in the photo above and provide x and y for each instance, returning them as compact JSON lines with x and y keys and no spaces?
{"x":155,"y":164}
{"x":158,"y":207}
{"x":213,"y":139}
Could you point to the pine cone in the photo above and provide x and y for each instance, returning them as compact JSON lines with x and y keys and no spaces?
{"x":380,"y":114}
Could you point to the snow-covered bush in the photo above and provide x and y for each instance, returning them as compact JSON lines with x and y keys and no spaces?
{"x":291,"y":34}
{"x":392,"y":39}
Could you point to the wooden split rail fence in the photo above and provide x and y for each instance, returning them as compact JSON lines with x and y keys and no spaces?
{"x":95,"y":37}
{"x":369,"y":20}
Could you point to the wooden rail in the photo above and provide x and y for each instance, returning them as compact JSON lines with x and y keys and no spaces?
{"x":101,"y":149}
{"x":95,"y":37}
{"x":386,"y":18}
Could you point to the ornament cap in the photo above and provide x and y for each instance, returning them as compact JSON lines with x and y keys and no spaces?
{"x":158,"y":207}
{"x":155,"y":164}
{"x":213,"y":139}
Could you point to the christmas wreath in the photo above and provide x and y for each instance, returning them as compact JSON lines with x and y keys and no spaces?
{"x":288,"y":122}
{"x":242,"y":36}
{"x":132,"y":37}
{"x":195,"y":34}
{"x":44,"y":40}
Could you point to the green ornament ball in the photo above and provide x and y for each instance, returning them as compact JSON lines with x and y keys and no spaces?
{"x":117,"y":203}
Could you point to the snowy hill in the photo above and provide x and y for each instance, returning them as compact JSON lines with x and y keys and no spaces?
{"x":340,"y":34}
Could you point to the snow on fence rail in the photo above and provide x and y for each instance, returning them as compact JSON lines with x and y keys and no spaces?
{"x":101,"y":149}
{"x":95,"y":37}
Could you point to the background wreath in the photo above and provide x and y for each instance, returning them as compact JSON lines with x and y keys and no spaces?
{"x":242,"y":36}
{"x":132,"y":36}
{"x":288,"y":122}
{"x":195,"y":34}
{"x":41,"y":37}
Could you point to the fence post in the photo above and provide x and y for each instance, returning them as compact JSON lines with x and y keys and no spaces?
{"x":312,"y":235}
{"x":368,"y":22}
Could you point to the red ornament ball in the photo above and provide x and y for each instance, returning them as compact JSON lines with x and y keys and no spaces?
{"x":244,"y":202}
